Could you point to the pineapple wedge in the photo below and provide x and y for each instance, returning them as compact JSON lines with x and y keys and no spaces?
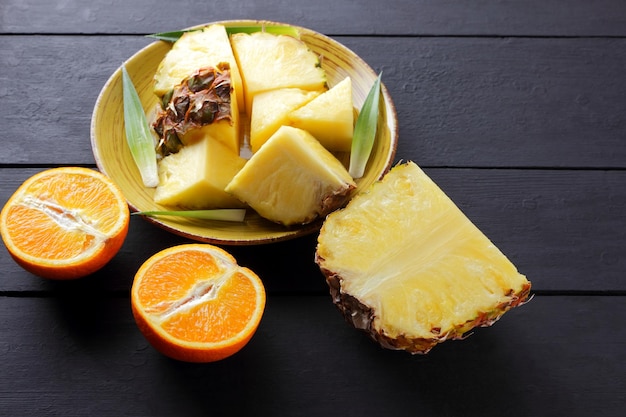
{"x":270,"y":110}
{"x":269,"y":62}
{"x":292,"y":179}
{"x":329,"y":117}
{"x":405,"y":265}
{"x":197,"y":49}
{"x":203,"y":104}
{"x":195,"y":177}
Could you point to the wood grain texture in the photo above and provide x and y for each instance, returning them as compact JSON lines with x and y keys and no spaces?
{"x":393,"y":17}
{"x":557,"y":226}
{"x":507,"y":102}
{"x":515,"y":108}
{"x":75,"y":356}
{"x":469,"y":102}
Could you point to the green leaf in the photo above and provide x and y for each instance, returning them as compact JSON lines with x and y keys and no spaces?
{"x":275,"y":29}
{"x":138,"y":136}
{"x":365,"y":131}
{"x":228,"y":215}
{"x":168,"y":36}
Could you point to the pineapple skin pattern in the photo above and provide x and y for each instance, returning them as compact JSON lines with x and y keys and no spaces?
{"x":343,"y":257}
{"x":362,"y":317}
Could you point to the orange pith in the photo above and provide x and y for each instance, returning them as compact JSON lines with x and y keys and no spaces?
{"x":194,"y":303}
{"x":65,"y":223}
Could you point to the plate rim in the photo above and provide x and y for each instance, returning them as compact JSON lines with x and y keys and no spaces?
{"x":289,"y":232}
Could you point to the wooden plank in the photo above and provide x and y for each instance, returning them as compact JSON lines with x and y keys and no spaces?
{"x":468,"y":102}
{"x":49,"y":123}
{"x":74,"y":356}
{"x":394,"y":17}
{"x":563,"y":229}
{"x":506,"y":102}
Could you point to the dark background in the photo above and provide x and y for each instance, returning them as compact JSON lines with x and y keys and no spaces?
{"x":517,"y":109}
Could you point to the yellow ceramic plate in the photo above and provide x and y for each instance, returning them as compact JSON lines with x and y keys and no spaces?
{"x":112,"y":156}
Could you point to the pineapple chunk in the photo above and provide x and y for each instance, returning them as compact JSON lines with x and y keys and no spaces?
{"x":329,"y":117}
{"x":203,"y":104}
{"x":197,"y":49}
{"x":292,"y":179}
{"x":269,"y":62}
{"x":270,"y":109}
{"x":226,"y":131}
{"x":408,"y":267}
{"x":195,"y":177}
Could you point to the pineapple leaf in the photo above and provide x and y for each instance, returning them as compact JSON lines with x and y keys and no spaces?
{"x":275,"y":29}
{"x":168,"y":36}
{"x":365,"y":131}
{"x":229,"y":215}
{"x":138,"y":136}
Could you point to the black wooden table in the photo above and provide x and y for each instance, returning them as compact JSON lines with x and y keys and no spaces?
{"x":517,"y":109}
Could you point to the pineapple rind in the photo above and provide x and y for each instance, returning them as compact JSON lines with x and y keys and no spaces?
{"x":393,"y":259}
{"x":185,"y":115}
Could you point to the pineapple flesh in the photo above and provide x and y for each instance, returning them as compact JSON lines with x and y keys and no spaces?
{"x":269,"y":62}
{"x":270,"y":110}
{"x":195,"y":177}
{"x":292,"y":179}
{"x":329,"y":117}
{"x":203,"y":48}
{"x":405,"y":265}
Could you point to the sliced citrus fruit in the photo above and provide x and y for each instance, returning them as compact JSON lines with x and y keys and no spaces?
{"x":194,"y":303}
{"x":65,"y":223}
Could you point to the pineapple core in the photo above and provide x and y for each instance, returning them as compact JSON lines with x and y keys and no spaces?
{"x":292,"y":179}
{"x":408,"y":267}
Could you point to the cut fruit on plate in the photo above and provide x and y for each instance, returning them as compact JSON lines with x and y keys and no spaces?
{"x":202,"y":105}
{"x":270,"y":110}
{"x":405,"y":265}
{"x":65,"y":223}
{"x":112,"y":155}
{"x":292,"y":179}
{"x":203,"y":48}
{"x":269,"y":62}
{"x":195,"y":177}
{"x":194,"y":303}
{"x":329,"y":117}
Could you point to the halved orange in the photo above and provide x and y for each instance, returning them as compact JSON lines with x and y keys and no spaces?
{"x":194,"y":303}
{"x":65,"y":223}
